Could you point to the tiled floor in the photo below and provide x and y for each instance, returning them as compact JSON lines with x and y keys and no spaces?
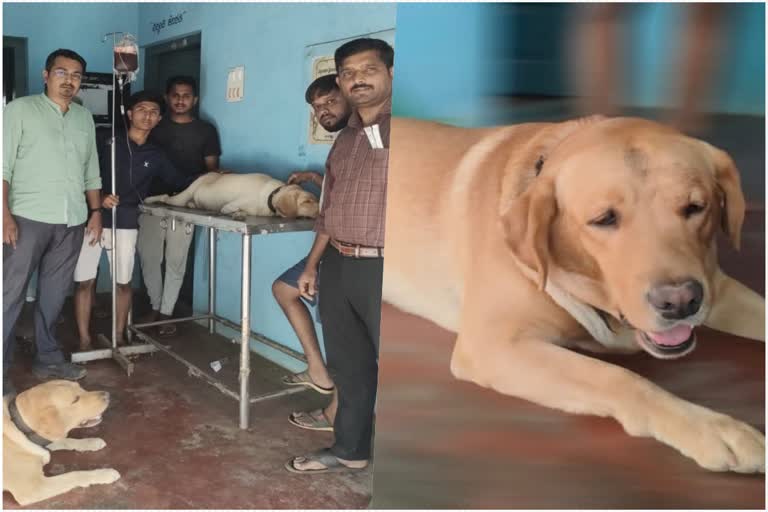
{"x":176,"y":442}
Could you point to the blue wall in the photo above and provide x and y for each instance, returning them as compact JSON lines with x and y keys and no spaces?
{"x":441,"y":72}
{"x":471,"y":51}
{"x":77,"y":26}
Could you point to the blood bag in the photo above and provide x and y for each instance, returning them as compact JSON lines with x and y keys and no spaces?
{"x":126,"y":53}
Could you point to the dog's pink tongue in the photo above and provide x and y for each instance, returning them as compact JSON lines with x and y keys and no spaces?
{"x":672,"y":337}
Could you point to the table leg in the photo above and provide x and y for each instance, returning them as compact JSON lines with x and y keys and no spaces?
{"x":212,"y":279}
{"x":245,"y":334}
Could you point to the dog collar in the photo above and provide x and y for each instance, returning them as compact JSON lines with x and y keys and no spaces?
{"x":269,"y":199}
{"x":25,"y":429}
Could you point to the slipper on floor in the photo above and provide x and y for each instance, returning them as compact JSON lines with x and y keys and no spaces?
{"x":324,"y":457}
{"x":311,"y":420}
{"x":166,"y":330}
{"x":303,"y":379}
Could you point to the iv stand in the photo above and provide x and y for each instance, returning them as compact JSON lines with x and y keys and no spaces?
{"x":113,"y":351}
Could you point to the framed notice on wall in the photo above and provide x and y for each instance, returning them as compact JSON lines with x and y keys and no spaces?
{"x":318,"y":62}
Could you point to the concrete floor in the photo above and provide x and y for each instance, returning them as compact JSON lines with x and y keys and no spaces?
{"x":175,"y":440}
{"x":442,"y":443}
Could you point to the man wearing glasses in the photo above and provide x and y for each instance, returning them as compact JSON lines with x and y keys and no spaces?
{"x":51,"y":189}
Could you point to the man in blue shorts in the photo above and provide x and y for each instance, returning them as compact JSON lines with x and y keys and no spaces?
{"x":332,"y":112}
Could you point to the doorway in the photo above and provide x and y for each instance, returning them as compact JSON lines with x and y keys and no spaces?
{"x":14,"y":68}
{"x":179,"y":56}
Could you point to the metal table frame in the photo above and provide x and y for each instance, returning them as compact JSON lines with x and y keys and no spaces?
{"x":247,"y":227}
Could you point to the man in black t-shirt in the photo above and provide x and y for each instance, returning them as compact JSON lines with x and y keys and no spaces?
{"x":193,"y":147}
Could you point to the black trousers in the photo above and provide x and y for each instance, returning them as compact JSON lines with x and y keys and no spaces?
{"x":350,"y":309}
{"x":53,"y":250}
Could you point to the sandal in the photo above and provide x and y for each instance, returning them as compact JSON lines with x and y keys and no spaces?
{"x":324,"y":457}
{"x":303,"y":379}
{"x":166,"y":330}
{"x":311,"y":420}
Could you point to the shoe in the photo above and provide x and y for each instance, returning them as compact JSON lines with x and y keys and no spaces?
{"x":67,"y":371}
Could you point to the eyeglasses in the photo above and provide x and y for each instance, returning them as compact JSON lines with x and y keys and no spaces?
{"x":62,"y":74}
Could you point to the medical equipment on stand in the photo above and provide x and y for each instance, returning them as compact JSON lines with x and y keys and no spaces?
{"x":125,"y":67}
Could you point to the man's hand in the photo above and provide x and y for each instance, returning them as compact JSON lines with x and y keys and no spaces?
{"x":110,"y":201}
{"x":10,"y":229}
{"x":307,"y":281}
{"x":301,"y":177}
{"x":93,"y":228}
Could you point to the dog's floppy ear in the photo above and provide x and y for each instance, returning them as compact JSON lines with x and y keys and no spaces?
{"x":286,"y":204}
{"x":729,"y":183}
{"x":530,"y":160}
{"x":45,"y":420}
{"x":527,"y":204}
{"x":527,"y":225}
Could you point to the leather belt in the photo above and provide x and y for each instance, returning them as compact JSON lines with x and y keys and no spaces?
{"x":357,"y":251}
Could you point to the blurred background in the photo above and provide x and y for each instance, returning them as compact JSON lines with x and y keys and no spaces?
{"x":441,"y":443}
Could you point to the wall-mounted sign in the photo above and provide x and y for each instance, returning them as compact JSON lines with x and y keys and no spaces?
{"x":235,"y":84}
{"x":172,"y":19}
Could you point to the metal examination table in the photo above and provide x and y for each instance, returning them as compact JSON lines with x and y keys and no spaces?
{"x":247,"y":228}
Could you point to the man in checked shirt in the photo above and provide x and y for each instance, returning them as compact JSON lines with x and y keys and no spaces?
{"x":350,"y":245}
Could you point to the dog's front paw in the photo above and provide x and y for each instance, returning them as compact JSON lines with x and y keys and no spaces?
{"x":720,"y":443}
{"x":105,"y":476}
{"x":157,"y":199}
{"x":92,"y":444}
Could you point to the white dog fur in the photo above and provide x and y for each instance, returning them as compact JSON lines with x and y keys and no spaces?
{"x":240,"y":195}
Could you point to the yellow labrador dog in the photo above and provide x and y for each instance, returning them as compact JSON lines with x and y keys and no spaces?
{"x":37,"y":421}
{"x":597,"y":234}
{"x":240,"y":195}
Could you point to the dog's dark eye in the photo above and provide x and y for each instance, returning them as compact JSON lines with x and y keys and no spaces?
{"x":607,"y":219}
{"x":692,"y":209}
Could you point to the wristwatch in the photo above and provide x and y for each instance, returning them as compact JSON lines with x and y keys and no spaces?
{"x":91,"y":211}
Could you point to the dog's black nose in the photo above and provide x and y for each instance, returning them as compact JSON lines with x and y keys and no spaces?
{"x":675,"y":301}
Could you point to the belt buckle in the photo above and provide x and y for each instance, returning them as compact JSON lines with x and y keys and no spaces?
{"x":357,"y":251}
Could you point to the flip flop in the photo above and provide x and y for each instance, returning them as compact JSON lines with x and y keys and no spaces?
{"x":303,"y":379}
{"x":324,"y":457}
{"x":311,"y":420}
{"x":166,"y":330}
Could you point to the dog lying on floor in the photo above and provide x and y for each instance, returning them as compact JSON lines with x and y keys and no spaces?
{"x":240,"y":195}
{"x":596,"y":234}
{"x":36,"y":422}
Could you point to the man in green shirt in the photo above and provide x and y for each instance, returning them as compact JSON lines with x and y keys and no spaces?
{"x":50,"y":172}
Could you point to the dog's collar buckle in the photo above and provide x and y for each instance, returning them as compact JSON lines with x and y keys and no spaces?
{"x":271,"y":196}
{"x":23,"y":427}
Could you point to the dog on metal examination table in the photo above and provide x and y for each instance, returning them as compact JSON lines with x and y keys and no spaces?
{"x":597,"y":234}
{"x":36,"y":422}
{"x":240,"y":195}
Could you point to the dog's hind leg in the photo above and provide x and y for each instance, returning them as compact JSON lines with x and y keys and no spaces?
{"x":737,"y":309}
{"x":90,"y":444}
{"x":48,"y":487}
